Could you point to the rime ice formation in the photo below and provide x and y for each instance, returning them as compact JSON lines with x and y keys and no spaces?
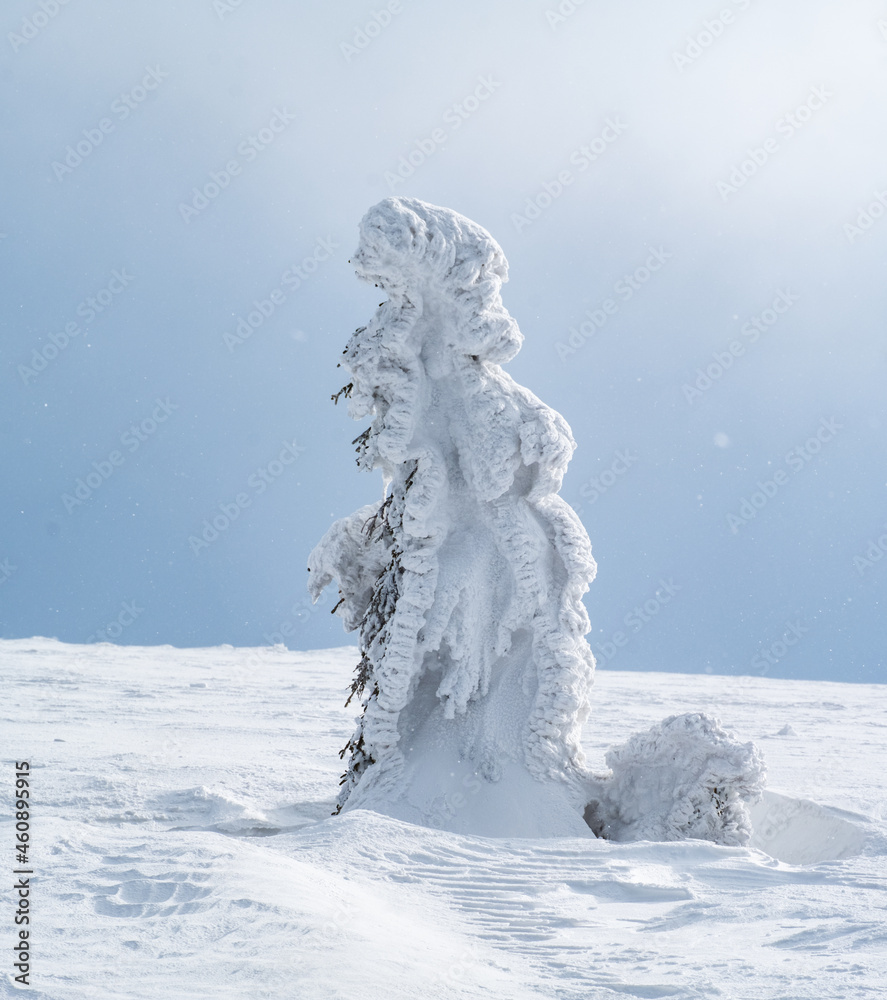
{"x":684,"y":778}
{"x":466,"y":580}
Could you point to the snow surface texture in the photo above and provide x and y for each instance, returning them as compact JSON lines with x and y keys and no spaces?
{"x":466,"y":579}
{"x":184,"y":849}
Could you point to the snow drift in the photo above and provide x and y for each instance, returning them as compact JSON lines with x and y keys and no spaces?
{"x":466,"y":579}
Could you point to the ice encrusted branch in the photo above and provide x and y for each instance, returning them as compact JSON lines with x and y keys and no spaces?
{"x":472,"y":553}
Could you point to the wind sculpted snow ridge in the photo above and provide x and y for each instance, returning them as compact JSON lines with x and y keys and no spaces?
{"x":471,"y":570}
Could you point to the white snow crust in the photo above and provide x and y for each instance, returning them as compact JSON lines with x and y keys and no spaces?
{"x":183,"y":847}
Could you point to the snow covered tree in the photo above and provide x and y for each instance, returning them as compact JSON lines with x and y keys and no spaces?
{"x":466,"y":580}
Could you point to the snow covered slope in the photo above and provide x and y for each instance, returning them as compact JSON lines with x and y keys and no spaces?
{"x":183,"y":847}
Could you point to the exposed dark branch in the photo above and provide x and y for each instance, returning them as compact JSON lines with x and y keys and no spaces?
{"x":344,"y":391}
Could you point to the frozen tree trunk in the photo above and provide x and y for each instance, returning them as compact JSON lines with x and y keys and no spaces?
{"x":466,"y":581}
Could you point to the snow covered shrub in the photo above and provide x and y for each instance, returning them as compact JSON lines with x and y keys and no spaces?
{"x":465,"y":581}
{"x":684,"y":778}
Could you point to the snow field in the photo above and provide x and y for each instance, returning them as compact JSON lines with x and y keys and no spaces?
{"x":183,"y":846}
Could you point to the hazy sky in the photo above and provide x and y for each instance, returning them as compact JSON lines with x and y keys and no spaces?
{"x":702,"y":185}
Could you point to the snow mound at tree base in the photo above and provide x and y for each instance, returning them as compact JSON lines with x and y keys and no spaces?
{"x":515,"y":805}
{"x":686,"y":778}
{"x":468,"y":774}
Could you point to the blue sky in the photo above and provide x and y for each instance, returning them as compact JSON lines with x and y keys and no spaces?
{"x":700,"y":189}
